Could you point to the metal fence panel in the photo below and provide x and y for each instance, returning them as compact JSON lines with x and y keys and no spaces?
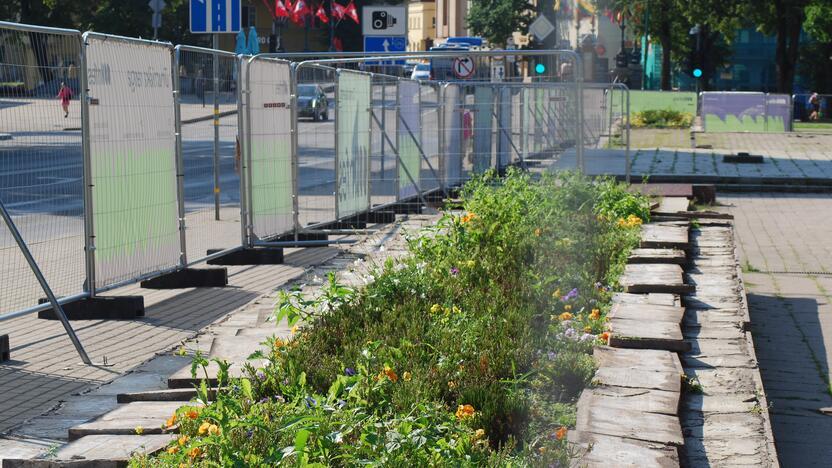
{"x":208,"y":149}
{"x":778,"y":113}
{"x":41,"y":164}
{"x":131,"y":158}
{"x":409,"y":124}
{"x":733,"y":111}
{"x":483,"y":127}
{"x":352,"y":142}
{"x":505,"y":139}
{"x":452,"y":135}
{"x":269,"y":122}
{"x":383,"y":164}
{"x":429,"y":141}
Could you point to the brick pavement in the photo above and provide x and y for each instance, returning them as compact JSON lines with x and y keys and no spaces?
{"x":787,"y":256}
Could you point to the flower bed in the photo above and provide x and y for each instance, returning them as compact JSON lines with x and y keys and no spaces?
{"x":471,"y":351}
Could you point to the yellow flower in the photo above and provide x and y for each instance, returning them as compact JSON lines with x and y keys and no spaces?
{"x":471,"y":263}
{"x":621,"y":222}
{"x":203,"y":428}
{"x":605,"y":337}
{"x":195,"y":452}
{"x":479,"y":434}
{"x":451,"y":384}
{"x":294,"y":329}
{"x":465,"y":411}
{"x":595,"y":314}
{"x":556,"y":294}
{"x":565,"y":316}
{"x":567,"y":307}
{"x":183,"y":440}
{"x":171,"y":421}
{"x":468,"y":217}
{"x":172,"y":450}
{"x":537,"y":232}
{"x":139,"y":430}
{"x":391,"y":374}
{"x":278,"y":343}
{"x":406,"y":376}
{"x":587,"y":329}
{"x":456,"y":310}
{"x":435,"y":309}
{"x":213,"y":429}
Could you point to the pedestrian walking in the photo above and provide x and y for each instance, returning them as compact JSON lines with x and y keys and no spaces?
{"x":65,"y":94}
{"x":814,"y":107}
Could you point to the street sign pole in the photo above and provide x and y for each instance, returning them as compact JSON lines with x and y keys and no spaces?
{"x":156,"y":19}
{"x":216,"y":70}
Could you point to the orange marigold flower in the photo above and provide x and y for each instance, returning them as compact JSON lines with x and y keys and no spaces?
{"x":565,"y":316}
{"x":183,"y":440}
{"x":561,"y":433}
{"x":172,"y":450}
{"x":278,"y":343}
{"x":465,"y":411}
{"x":595,"y":314}
{"x":195,"y":452}
{"x":213,"y":429}
{"x":192,"y":414}
{"x":171,"y":421}
{"x":587,"y":329}
{"x":468,"y":217}
{"x":391,"y":374}
{"x":605,"y":337}
{"x":479,"y":434}
{"x":203,"y":428}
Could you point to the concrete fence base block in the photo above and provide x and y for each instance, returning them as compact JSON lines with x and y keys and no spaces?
{"x":189,"y":278}
{"x":99,"y":308}
{"x":4,"y":348}
{"x":254,"y":256}
{"x":303,"y":237}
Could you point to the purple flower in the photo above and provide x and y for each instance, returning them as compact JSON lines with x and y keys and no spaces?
{"x":572,"y":294}
{"x":263,"y":400}
{"x":587,"y":337}
{"x":310,"y":402}
{"x":570,"y":333}
{"x":349,"y":372}
{"x":261,"y":375}
{"x":279,"y":398}
{"x":566,"y":323}
{"x":551,"y":355}
{"x":249,"y":433}
{"x":342,"y":403}
{"x":286,"y":381}
{"x":454,"y":271}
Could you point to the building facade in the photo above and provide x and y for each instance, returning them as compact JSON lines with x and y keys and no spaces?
{"x":450,"y":19}
{"x":421,"y":25}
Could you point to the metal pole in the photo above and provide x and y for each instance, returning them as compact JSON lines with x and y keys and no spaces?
{"x":89,"y":227}
{"x":59,"y":311}
{"x":216,"y":65}
{"x":180,"y":165}
{"x":383,"y":120}
{"x":628,"y":137}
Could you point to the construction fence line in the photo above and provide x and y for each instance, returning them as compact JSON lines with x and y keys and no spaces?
{"x":128,"y":159}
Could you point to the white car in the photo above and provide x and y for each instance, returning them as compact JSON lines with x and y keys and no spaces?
{"x":420,"y":72}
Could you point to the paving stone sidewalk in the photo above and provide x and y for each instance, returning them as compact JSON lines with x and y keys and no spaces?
{"x":786,"y":253}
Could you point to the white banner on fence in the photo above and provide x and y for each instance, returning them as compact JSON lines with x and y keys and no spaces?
{"x":352,"y":137}
{"x":452,"y":119}
{"x":505,"y":138}
{"x":408,"y":130}
{"x":270,"y":148}
{"x":132,"y":158}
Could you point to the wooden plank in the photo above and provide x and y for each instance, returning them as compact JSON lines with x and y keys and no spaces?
{"x":654,"y":278}
{"x":654,"y":360}
{"x":97,"y":451}
{"x":638,"y":378}
{"x":652,"y":298}
{"x":603,"y":451}
{"x":638,"y":399}
{"x":657,"y":256}
{"x":630,"y":424}
{"x":181,"y":395}
{"x":647,"y":312}
{"x":124,"y":420}
{"x":673,"y":205}
{"x":664,"y":190}
{"x":662,"y":236}
{"x":647,"y":334}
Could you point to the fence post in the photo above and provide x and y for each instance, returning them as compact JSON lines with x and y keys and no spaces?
{"x":239,"y":150}
{"x":628,"y":135}
{"x":335,"y":142}
{"x":293,"y":130}
{"x":215,"y":59}
{"x":89,"y":227}
{"x":180,"y":165}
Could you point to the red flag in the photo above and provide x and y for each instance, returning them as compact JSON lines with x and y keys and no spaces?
{"x":351,"y":12}
{"x":337,"y":10}
{"x":336,"y":42}
{"x":280,"y":10}
{"x":321,"y":14}
{"x":299,"y":12}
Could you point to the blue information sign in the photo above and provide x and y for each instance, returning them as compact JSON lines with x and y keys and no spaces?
{"x":215,"y":16}
{"x":385,"y":44}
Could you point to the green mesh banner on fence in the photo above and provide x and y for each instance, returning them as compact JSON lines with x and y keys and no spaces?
{"x":409,"y":128}
{"x":352,"y":152}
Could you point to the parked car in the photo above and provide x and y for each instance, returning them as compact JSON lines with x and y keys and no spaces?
{"x":421,"y":72}
{"x":312,"y":102}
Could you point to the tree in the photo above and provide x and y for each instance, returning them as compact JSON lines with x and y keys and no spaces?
{"x":718,"y":22}
{"x":496,"y":20}
{"x":815,"y":63}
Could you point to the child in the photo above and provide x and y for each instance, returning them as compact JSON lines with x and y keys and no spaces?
{"x":65,"y":94}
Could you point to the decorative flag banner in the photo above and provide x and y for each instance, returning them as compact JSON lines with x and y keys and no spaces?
{"x":321,"y":14}
{"x":351,"y":11}
{"x":299,"y":12}
{"x":337,"y":11}
{"x":280,"y":10}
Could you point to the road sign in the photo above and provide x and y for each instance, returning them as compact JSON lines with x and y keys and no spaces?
{"x":464,"y":67}
{"x":156,"y":21}
{"x":215,"y":16}
{"x":541,"y":28}
{"x":498,"y":71}
{"x":385,"y":44}
{"x":384,"y":20}
{"x":156,"y":5}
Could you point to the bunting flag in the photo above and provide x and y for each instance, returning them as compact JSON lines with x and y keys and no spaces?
{"x":280,"y":10}
{"x":585,"y":7}
{"x":336,"y":42}
{"x":337,"y":10}
{"x":351,"y":11}
{"x":321,"y":14}
{"x":299,"y":12}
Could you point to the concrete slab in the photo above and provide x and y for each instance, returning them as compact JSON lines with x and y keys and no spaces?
{"x":605,"y":451}
{"x":654,"y":278}
{"x":99,"y":451}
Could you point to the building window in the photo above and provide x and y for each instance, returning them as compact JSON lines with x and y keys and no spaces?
{"x":433,"y":21}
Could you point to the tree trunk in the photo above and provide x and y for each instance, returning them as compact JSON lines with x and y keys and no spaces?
{"x":789,"y":23}
{"x":666,"y":40}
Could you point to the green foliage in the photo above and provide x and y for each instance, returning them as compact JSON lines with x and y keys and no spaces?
{"x":496,"y":20}
{"x":469,"y":352}
{"x":661,"y":118}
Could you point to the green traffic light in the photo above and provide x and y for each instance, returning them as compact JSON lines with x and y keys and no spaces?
{"x":540,"y":68}
{"x":697,"y":72}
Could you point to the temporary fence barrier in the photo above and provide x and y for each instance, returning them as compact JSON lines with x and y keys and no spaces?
{"x":803,"y":107}
{"x":408,"y":134}
{"x":429,"y":138}
{"x":206,"y":110}
{"x":383,"y":160}
{"x":643,"y":100}
{"x":745,"y":112}
{"x":352,"y":142}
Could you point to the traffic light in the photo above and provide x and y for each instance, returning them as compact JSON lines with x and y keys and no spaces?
{"x":540,"y":68}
